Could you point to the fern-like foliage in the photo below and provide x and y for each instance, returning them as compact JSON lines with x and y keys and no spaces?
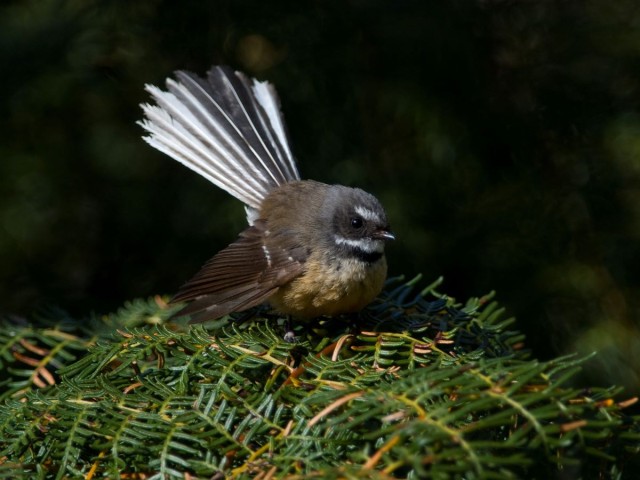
{"x":417,"y":387}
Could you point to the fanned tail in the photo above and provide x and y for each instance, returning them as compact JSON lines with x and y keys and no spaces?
{"x":227,"y":127}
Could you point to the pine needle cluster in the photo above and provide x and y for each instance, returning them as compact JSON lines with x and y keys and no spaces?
{"x":417,"y":386}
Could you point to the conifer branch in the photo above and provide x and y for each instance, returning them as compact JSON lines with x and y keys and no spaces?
{"x":419,"y":386}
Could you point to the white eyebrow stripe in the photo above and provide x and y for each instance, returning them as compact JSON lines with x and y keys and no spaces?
{"x":367,"y":214}
{"x":367,"y":245}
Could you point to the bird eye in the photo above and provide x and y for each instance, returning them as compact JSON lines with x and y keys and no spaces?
{"x":357,"y":222}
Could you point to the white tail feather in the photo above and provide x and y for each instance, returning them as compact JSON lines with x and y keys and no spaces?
{"x":267,"y":97}
{"x":226,"y":129}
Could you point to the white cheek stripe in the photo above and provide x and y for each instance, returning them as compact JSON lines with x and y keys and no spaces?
{"x":367,"y":214}
{"x":367,"y":245}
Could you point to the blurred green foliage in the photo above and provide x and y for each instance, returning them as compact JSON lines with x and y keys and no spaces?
{"x":503,"y":138}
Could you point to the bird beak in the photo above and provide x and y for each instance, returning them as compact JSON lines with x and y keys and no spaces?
{"x":383,"y":234}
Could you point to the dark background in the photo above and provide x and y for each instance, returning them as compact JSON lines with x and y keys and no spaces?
{"x":503,"y":137}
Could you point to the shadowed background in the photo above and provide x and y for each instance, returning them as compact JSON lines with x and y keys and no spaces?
{"x":502,"y":137}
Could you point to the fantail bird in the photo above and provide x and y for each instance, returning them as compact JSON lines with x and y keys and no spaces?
{"x":311,"y":249}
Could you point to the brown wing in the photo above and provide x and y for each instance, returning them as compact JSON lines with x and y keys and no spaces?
{"x":243,"y":275}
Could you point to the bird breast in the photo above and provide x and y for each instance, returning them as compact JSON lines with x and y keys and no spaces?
{"x":334,"y":287}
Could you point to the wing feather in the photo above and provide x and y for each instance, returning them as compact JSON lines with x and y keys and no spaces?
{"x":243,"y":275}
